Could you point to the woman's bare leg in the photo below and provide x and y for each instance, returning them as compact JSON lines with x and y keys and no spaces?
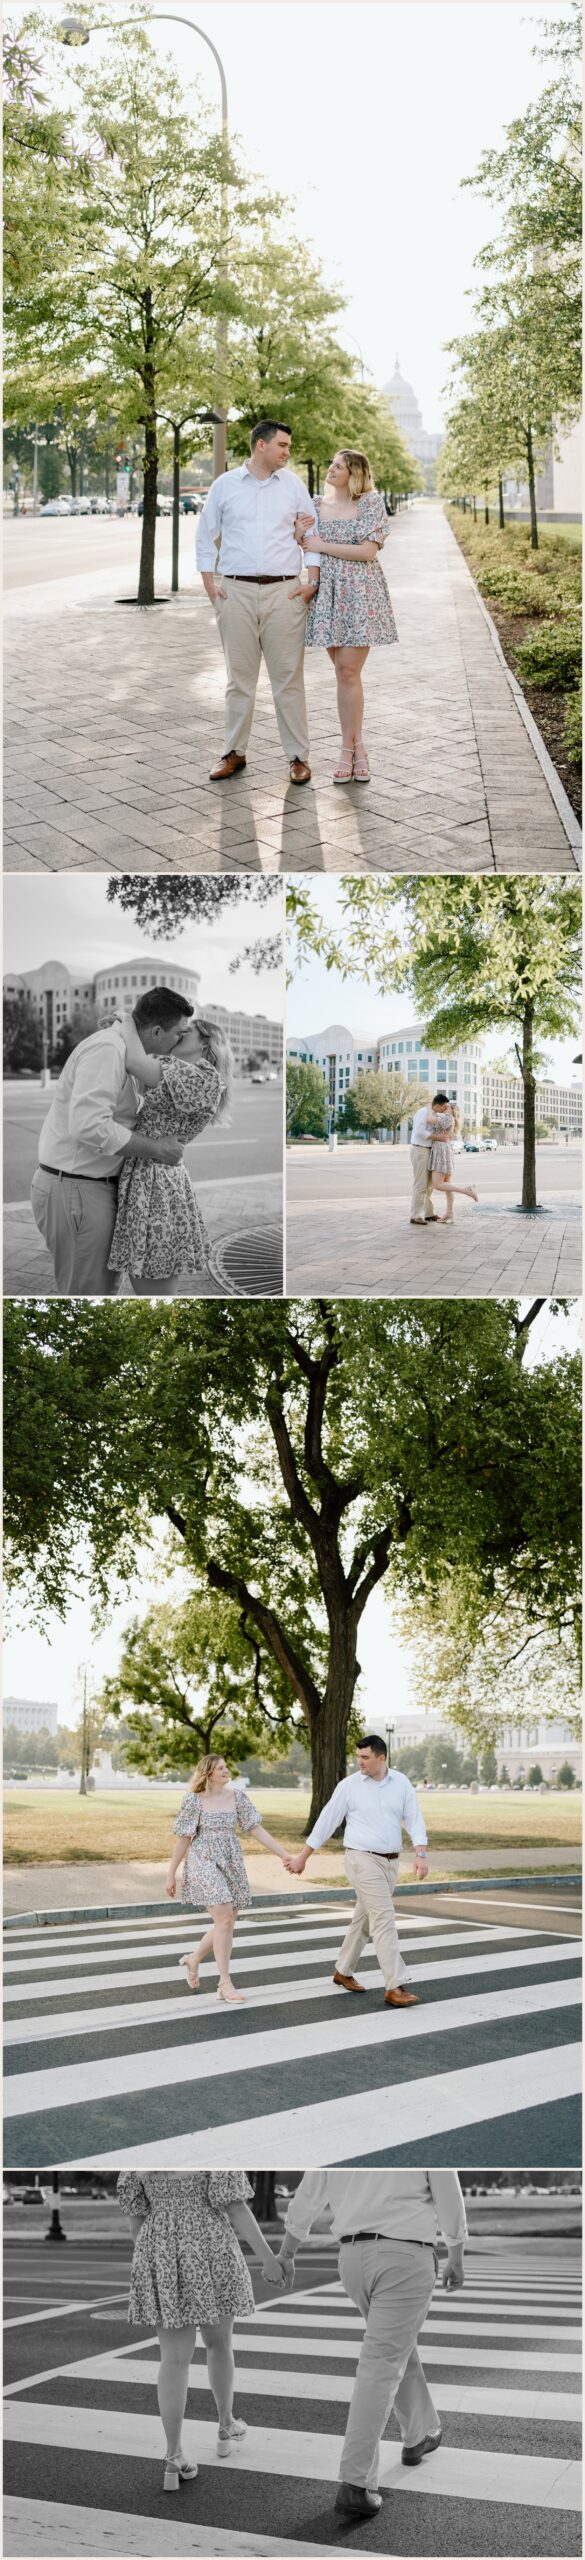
{"x":464,"y":1190}
{"x":223,"y":1917}
{"x":218,"y":2346}
{"x":176,"y":2349}
{"x":194,"y":1955}
{"x":350,"y":696}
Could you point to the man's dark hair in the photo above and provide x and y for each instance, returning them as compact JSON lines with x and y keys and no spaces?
{"x":266,"y":428}
{"x":439,"y":1097}
{"x":159,"y":1008}
{"x":372,"y":1742}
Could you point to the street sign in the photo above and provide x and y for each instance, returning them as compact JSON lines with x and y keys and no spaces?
{"x":122,"y":487}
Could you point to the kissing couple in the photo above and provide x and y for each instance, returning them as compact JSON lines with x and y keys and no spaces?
{"x":257,"y":529}
{"x":111,"y":1196}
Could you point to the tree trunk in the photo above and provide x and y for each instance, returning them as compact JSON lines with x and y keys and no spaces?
{"x":486,"y":512}
{"x":529,"y":1200}
{"x":176,"y":482}
{"x":311,"y":477}
{"x":474,"y":505}
{"x":72,"y":460}
{"x":532,"y":492}
{"x":329,"y":1728}
{"x":146,"y":578}
{"x":107,"y":470}
{"x":501,"y":503}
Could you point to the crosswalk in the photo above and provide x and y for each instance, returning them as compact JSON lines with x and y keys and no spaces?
{"x":110,"y":2060}
{"x":503,"y":2364}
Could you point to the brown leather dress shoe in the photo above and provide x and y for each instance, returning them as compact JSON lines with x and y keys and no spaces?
{"x":299,"y":772}
{"x":348,"y":1982}
{"x":400,"y":1999}
{"x":228,"y":765}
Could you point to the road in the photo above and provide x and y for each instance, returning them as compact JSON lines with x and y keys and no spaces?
{"x":83,"y":2442}
{"x":50,"y":549}
{"x":108,"y":2059}
{"x":251,"y":1144}
{"x":356,"y":1173}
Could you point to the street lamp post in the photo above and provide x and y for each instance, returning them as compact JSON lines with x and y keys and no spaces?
{"x":74,"y":31}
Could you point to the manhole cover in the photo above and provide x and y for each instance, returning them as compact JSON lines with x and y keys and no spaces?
{"x":249,"y":1265}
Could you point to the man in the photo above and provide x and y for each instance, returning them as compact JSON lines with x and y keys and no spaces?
{"x":422,"y":1213}
{"x":374,"y":1804}
{"x":88,"y":1131}
{"x":249,"y":519}
{"x":386,"y":2222}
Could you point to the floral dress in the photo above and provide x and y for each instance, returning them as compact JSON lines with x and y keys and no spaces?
{"x":188,"y":2265}
{"x":441,"y":1158}
{"x":352,"y":609}
{"x":159,"y":1229}
{"x":214,"y":1868}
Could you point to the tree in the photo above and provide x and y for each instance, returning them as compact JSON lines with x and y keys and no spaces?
{"x":162,"y":906}
{"x":189,"y":1681}
{"x":380,"y":1101}
{"x":535,"y":1777}
{"x":50,"y":471}
{"x":306,"y":1100}
{"x":478,"y":955}
{"x":488,"y":1659}
{"x":566,"y":1775}
{"x":23,"y":1037}
{"x":286,"y":362}
{"x":301,"y":1452}
{"x":29,"y":1750}
{"x":84,"y":1021}
{"x":488,"y":1767}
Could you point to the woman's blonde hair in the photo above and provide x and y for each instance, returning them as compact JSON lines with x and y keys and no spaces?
{"x":360,"y":472}
{"x":198,"y":1782}
{"x":221,"y":1056}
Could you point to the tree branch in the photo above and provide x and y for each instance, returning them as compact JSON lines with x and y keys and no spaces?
{"x":275,"y":1636}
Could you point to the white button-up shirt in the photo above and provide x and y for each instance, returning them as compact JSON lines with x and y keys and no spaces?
{"x":402,"y":2204}
{"x":94,"y":1105}
{"x":255,"y":522}
{"x":374,"y":1810}
{"x":420,"y":1133}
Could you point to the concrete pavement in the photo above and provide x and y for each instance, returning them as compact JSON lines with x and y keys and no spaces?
{"x":116,"y":717}
{"x":244,"y":1222}
{"x":348,"y":1228}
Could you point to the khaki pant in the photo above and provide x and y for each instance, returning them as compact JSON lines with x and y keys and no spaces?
{"x":374,"y":1882}
{"x":391,"y":2283}
{"x":421,"y":1205}
{"x":254,"y":623}
{"x":77,"y":1217}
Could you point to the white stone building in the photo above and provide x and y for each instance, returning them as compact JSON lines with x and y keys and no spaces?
{"x":343,"y":1056}
{"x":518,"y":1748}
{"x":402,"y":400}
{"x":59,"y":994}
{"x":31,"y":1715}
{"x":503,"y":1103}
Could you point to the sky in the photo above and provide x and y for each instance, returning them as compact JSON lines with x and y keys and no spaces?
{"x":67,"y":918}
{"x":368,"y":113}
{"x":46,"y":1666}
{"x":319,"y":996}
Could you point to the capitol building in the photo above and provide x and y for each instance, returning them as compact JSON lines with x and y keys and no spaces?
{"x":402,"y":400}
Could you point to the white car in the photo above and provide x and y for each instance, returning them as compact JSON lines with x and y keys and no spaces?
{"x":80,"y":506}
{"x":56,"y":507}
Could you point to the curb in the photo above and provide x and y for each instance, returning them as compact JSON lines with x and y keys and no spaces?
{"x":552,"y":778}
{"x":270,"y":1901}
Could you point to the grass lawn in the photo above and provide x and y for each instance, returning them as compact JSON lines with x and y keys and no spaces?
{"x":45,"y":1827}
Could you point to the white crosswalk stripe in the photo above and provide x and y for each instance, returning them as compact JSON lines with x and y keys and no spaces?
{"x":111,"y":2059}
{"x":509,"y":2444}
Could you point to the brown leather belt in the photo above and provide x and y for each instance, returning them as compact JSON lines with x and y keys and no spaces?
{"x":247,"y":578}
{"x":64,"y":1172}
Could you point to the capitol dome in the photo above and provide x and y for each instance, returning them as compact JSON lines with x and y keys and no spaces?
{"x":402,"y":400}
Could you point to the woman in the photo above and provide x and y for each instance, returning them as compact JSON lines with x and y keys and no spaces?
{"x":351,"y":610}
{"x":188,"y":2273}
{"x":211,"y":1813}
{"x":441,"y":1161}
{"x":159,"y":1234}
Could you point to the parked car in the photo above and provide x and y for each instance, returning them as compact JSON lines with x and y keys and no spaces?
{"x":474,"y":1146}
{"x":491,"y":1146}
{"x":80,"y":506}
{"x":56,"y":507}
{"x":190,"y":503}
{"x":164,"y":505}
{"x":100,"y":506}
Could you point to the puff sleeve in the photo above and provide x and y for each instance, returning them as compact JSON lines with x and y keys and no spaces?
{"x":377,"y":525}
{"x":229,"y":2186}
{"x":248,"y":1818}
{"x":189,"y":1814}
{"x":130,"y":2193}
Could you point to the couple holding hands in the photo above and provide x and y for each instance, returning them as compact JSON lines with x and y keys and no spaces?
{"x":256,"y":531}
{"x":373,"y":1804}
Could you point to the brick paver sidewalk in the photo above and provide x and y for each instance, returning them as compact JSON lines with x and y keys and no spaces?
{"x":230,"y":1209}
{"x":117,"y":716}
{"x":370,"y":1250}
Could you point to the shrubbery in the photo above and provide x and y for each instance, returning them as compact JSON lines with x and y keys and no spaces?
{"x":551,"y":657}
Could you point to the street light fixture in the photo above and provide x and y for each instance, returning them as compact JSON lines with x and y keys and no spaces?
{"x":74,"y":31}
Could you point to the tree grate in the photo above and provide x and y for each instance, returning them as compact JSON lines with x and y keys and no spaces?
{"x":249,"y":1264}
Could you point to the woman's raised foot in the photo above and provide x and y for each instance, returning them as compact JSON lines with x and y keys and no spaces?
{"x":187,"y":1965}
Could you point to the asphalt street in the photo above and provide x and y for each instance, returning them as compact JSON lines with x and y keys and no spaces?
{"x":251,"y":1144}
{"x":83,"y":2440}
{"x":47,"y":549}
{"x":360,"y":1172}
{"x":109,"y":2059}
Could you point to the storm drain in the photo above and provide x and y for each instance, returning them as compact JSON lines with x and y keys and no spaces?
{"x":249,"y":1265}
